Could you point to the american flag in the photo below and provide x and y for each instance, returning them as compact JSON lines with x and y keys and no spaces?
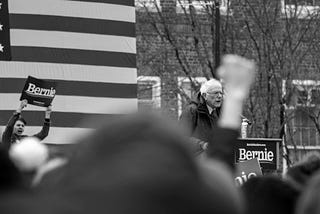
{"x":87,"y":46}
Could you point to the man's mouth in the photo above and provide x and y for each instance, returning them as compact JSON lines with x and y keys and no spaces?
{"x":218,"y":102}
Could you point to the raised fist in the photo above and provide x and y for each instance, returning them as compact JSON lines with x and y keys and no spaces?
{"x":237,"y":74}
{"x":23,"y":104}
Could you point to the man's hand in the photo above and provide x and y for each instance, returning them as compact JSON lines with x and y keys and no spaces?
{"x":238,"y":74}
{"x":48,"y":112}
{"x":23,"y":104}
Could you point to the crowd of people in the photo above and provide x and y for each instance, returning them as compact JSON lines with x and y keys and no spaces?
{"x":145,"y":163}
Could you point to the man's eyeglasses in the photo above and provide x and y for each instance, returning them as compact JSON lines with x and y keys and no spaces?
{"x":215,"y":93}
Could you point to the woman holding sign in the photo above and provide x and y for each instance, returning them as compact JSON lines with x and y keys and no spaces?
{"x":16,"y":125}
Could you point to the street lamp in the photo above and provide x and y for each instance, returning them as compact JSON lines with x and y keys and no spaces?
{"x":217,"y":33}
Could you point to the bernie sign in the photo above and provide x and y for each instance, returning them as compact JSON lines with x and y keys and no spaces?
{"x":39,"y":92}
{"x":264,"y":149}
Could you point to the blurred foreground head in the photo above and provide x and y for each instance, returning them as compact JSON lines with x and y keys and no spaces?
{"x":141,"y":164}
{"x":269,"y":194}
{"x":308,"y":203}
{"x":10,"y":176}
{"x":138,"y":164}
{"x":300,"y":173}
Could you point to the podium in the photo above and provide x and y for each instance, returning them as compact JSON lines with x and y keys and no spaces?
{"x":266,"y":150}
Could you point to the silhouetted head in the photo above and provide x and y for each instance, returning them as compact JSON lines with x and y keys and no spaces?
{"x":10,"y":176}
{"x":300,"y":173}
{"x":269,"y":194}
{"x":140,"y":164}
{"x":309,"y":202}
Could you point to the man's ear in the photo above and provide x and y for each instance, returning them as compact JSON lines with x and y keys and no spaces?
{"x":204,"y":95}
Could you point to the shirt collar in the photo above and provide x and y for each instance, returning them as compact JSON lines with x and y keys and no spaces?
{"x":210,"y":109}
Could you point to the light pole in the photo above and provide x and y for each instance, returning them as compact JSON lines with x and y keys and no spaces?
{"x":217,"y":33}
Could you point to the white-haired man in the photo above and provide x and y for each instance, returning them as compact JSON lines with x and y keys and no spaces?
{"x":201,"y":115}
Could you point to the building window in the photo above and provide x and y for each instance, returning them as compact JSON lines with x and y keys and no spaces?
{"x":149,"y":5}
{"x":306,"y":93}
{"x":149,"y":92}
{"x":302,"y":2}
{"x":202,"y":6}
{"x":300,"y":8}
{"x":185,"y":85}
{"x":304,"y":103}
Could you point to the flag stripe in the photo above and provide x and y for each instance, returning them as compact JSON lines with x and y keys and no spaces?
{"x":122,"y":2}
{"x":72,"y":56}
{"x":80,"y":104}
{"x":88,"y":47}
{"x":83,"y":9}
{"x":72,"y":24}
{"x":58,"y":135}
{"x":76,"y":88}
{"x":70,"y":40}
{"x":67,"y":72}
{"x":60,"y":119}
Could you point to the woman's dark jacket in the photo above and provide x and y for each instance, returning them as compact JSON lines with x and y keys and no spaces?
{"x":8,"y":138}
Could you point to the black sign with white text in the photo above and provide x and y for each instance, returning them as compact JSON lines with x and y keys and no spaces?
{"x":265,"y":149}
{"x":39,"y":92}
{"x":246,"y":170}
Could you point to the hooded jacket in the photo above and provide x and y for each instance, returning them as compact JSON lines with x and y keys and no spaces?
{"x":198,"y":122}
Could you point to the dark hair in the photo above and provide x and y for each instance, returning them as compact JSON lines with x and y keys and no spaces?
{"x":303,"y":171}
{"x":308,"y":203}
{"x":269,"y":194}
{"x":22,"y":120}
{"x":10,"y":176}
{"x":138,"y":164}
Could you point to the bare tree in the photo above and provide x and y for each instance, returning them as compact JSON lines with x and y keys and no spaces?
{"x":270,"y":32}
{"x":284,"y":43}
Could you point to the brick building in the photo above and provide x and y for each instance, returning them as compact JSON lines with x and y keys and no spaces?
{"x":177,"y":44}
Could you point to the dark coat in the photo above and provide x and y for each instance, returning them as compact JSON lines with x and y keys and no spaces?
{"x":198,"y":122}
{"x":8,"y":138}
